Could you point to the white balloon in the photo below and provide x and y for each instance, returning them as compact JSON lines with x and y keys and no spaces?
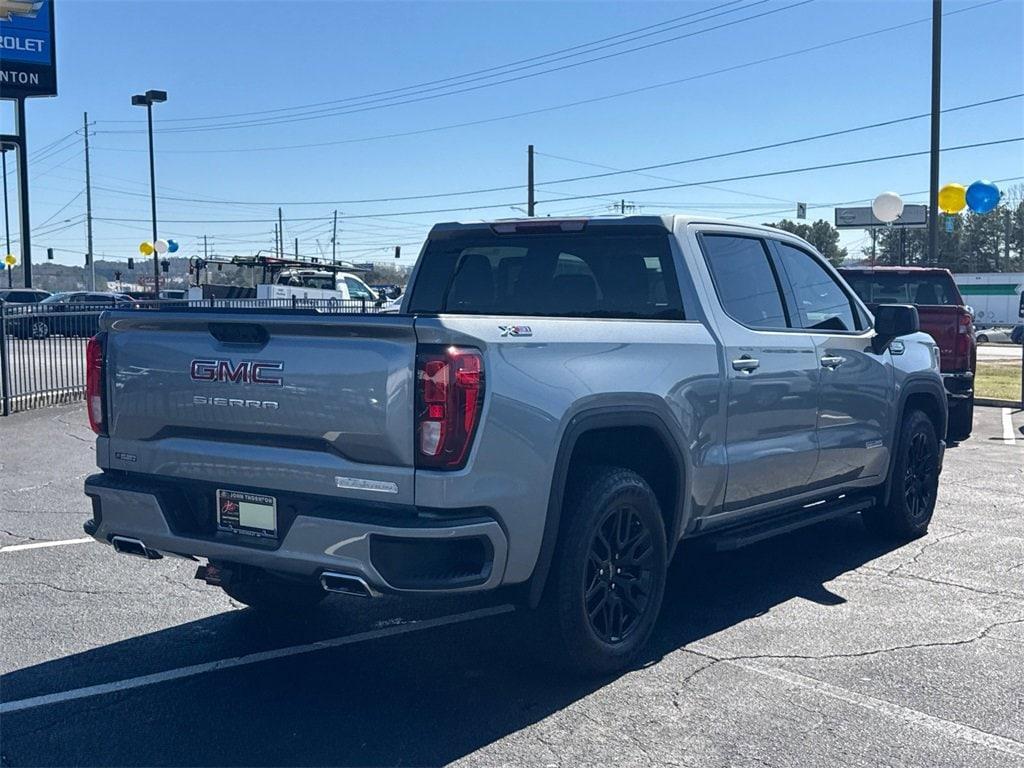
{"x":887,"y":207}
{"x":160,"y":246}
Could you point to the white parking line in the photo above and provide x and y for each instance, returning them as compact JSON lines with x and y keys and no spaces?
{"x":936,"y":724}
{"x":43,"y":544}
{"x":242,"y":661}
{"x":1008,"y":435}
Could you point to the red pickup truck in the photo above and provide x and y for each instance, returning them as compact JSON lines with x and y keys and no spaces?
{"x":944,"y":316}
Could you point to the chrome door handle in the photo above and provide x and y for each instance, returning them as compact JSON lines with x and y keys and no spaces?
{"x":832,"y":361}
{"x":746,"y":363}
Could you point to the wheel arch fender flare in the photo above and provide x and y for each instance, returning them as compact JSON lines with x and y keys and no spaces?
{"x":919,"y":386}
{"x":648,"y":412}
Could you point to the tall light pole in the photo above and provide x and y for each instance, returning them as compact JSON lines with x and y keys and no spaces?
{"x":933,"y":180}
{"x":147,"y":100}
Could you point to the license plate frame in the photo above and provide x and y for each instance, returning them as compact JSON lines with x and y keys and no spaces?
{"x":246,"y":514}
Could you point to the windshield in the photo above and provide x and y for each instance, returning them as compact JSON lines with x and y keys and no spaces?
{"x":57,"y":298}
{"x":587,"y":274}
{"x":904,"y":288}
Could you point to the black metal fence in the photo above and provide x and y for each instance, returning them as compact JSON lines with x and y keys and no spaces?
{"x":42,"y":346}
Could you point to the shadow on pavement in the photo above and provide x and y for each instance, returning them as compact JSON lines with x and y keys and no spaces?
{"x":425,"y":698}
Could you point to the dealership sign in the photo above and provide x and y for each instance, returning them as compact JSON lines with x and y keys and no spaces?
{"x":864,"y":218}
{"x":28,"y":61}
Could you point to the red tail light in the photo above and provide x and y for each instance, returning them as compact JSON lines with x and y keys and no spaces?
{"x":964,"y":335}
{"x":95,"y":390}
{"x":450,"y":394}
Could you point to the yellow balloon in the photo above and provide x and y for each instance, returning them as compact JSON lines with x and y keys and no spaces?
{"x":952,"y":198}
{"x":146,"y":249}
{"x":11,"y":259}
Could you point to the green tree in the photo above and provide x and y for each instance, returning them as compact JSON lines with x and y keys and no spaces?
{"x":821,"y":234}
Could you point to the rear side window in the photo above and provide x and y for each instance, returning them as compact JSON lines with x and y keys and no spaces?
{"x":585,"y":274}
{"x":745,"y":280}
{"x":821,"y":304}
{"x":904,"y":288}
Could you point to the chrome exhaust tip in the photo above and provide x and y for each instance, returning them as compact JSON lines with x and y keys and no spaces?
{"x":346,"y":584}
{"x":129,"y":546}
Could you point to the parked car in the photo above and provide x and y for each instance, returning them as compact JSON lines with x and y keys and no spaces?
{"x":557,"y":406}
{"x":22,"y":295}
{"x":71,"y":313}
{"x":993,"y":336}
{"x":943,"y":314}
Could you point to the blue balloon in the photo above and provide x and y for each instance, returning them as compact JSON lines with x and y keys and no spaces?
{"x":982,"y":196}
{"x":172,"y":246}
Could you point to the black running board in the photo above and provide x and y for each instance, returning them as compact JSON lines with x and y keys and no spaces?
{"x":744,"y":535}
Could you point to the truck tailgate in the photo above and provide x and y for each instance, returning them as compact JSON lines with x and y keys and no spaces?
{"x":318,"y":404}
{"x":941,"y":323}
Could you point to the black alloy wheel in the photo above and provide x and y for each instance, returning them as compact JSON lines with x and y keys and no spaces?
{"x":619,"y":575}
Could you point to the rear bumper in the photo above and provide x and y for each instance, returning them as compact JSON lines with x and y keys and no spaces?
{"x":411,"y":552}
{"x":959,"y":385}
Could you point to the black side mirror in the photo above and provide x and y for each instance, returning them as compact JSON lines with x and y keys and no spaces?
{"x":892,"y":320}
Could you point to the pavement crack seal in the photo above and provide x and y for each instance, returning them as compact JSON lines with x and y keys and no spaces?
{"x":62,"y":589}
{"x":928,"y":545}
{"x":757,"y":663}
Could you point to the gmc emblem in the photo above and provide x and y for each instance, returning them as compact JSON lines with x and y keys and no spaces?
{"x":244,"y":372}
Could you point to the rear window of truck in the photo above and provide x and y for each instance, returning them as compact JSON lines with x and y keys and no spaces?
{"x":580,"y":274}
{"x":903,"y":288}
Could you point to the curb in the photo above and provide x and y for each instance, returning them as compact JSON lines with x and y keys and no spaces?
{"x":997,"y":403}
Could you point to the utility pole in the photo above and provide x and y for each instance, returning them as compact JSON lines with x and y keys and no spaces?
{"x":1008,"y":231}
{"x":280,"y":230}
{"x":25,"y":228}
{"x":277,"y":241}
{"x":7,"y":220}
{"x":933,"y":187}
{"x":296,"y":247}
{"x":206,"y":253}
{"x":88,"y":203}
{"x":334,"y":239}
{"x":529,"y":180}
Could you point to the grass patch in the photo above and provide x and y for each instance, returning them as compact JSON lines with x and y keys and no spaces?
{"x":999,"y":380}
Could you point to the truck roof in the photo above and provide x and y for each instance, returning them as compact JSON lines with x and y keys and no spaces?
{"x":668,"y":221}
{"x":915,"y":270}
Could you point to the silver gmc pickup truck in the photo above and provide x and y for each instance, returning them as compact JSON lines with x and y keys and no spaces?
{"x":556,"y":406}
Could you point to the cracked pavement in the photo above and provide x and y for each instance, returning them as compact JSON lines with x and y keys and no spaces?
{"x":824,"y":647}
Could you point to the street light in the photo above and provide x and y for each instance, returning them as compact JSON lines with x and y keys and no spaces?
{"x":147,"y":100}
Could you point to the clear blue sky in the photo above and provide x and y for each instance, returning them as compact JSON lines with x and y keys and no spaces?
{"x":223,"y":58}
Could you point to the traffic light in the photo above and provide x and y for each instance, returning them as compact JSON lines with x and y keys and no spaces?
{"x":49,"y":254}
{"x":398,"y":251}
{"x":165,"y":265}
{"x":88,"y":259}
{"x":131,"y":263}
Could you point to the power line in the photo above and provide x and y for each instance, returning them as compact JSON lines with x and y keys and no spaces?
{"x":766,"y":174}
{"x":606,"y":174}
{"x":372,"y":107}
{"x":303,"y":107}
{"x":566,"y":105}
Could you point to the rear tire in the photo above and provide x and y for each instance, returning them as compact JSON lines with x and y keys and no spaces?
{"x":273,"y":594}
{"x":608,"y":576}
{"x":982,"y":339}
{"x":961,"y":420}
{"x":914,"y":484}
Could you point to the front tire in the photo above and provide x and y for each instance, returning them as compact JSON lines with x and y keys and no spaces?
{"x":273,"y":594}
{"x":39,"y":329}
{"x":608,"y":578}
{"x":914,"y":485}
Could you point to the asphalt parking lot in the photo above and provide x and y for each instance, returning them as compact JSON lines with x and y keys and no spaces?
{"x":824,"y":647}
